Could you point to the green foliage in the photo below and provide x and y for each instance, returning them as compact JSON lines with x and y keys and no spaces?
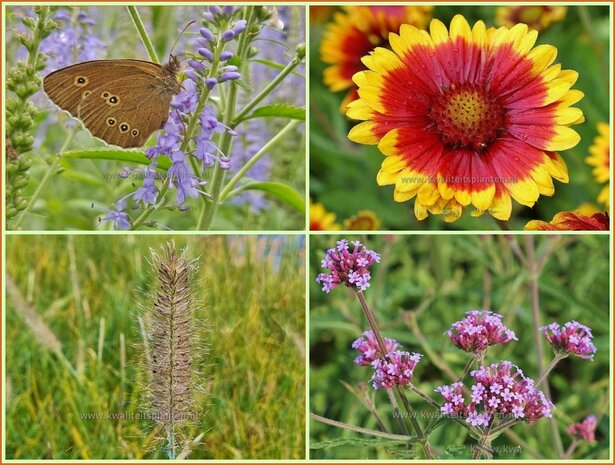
{"x":434,"y":280}
{"x":253,"y":389}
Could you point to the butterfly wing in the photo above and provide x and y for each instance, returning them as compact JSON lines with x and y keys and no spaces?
{"x":135,"y":92}
{"x":127,"y":115}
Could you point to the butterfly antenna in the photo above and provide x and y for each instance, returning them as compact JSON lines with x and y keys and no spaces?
{"x":179,"y":36}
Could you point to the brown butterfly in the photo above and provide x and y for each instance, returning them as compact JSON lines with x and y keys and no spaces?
{"x":120,"y":101}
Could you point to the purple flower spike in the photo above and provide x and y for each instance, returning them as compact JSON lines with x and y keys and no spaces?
{"x":215,"y":10}
{"x":573,"y":339}
{"x":585,"y":430}
{"x":196,"y":65}
{"x":228,"y":35}
{"x":211,"y":83}
{"x":229,"y":76}
{"x":207,"y":34}
{"x":349,"y":268}
{"x":396,"y":369}
{"x":367,"y":345}
{"x":479,"y":330}
{"x":192,"y":75}
{"x":120,"y":219}
{"x":205,"y":52}
{"x":240,"y":26}
{"x":226,"y":55}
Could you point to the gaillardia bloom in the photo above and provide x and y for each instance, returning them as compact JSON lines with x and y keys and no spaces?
{"x":537,"y":17}
{"x":355,"y":32}
{"x":321,"y":219}
{"x":600,"y":159}
{"x":473,"y":116}
{"x":364,"y":220}
{"x":577,"y":220}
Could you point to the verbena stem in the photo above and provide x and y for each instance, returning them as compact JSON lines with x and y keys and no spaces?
{"x":419,"y":432}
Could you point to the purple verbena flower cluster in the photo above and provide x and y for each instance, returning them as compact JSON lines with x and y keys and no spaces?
{"x":585,"y":430}
{"x":396,"y":368}
{"x":479,"y":330}
{"x":348,"y":267}
{"x":369,"y":350}
{"x":573,"y":339}
{"x":500,"y":390}
{"x":73,"y":42}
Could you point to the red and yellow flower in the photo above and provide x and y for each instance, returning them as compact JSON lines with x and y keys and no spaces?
{"x":600,"y":159}
{"x":577,"y":220}
{"x":321,"y":219}
{"x":470,"y":117}
{"x":537,"y":17}
{"x":355,"y":32}
{"x":364,"y":220}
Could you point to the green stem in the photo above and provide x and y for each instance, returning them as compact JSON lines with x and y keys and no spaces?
{"x":134,"y":14}
{"x":252,"y":161}
{"x":46,"y":177}
{"x":267,"y":90}
{"x":534,"y":272}
{"x":548,"y":370}
{"x":358,"y":429}
{"x":217,"y":179}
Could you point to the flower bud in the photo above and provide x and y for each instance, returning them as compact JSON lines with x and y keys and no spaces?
{"x":228,"y":35}
{"x":207,"y":34}
{"x":229,"y":76}
{"x":205,"y":52}
{"x":226,"y":55}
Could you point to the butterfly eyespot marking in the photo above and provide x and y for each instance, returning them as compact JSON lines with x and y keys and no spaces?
{"x":124,"y":128}
{"x":134,"y":132}
{"x":105,"y":95}
{"x":111,"y":121}
{"x":81,"y":81}
{"x":113,"y":100}
{"x":85,"y":93}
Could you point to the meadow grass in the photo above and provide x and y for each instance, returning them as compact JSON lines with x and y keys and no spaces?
{"x":424,"y":284}
{"x":87,"y":290}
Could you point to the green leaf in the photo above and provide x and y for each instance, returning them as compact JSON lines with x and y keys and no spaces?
{"x":282,"y":192}
{"x":281,"y":110}
{"x":275,"y":65}
{"x":127,"y":156}
{"x":357,"y":442}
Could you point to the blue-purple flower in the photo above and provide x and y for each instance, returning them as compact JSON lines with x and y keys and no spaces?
{"x":396,"y":369}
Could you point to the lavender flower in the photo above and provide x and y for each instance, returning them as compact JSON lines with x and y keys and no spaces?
{"x":73,"y":43}
{"x":585,"y":430}
{"x":369,"y":350}
{"x":499,"y":390}
{"x":479,"y":330}
{"x":120,"y":219}
{"x":397,"y":368}
{"x":572,"y":339}
{"x":349,"y":268}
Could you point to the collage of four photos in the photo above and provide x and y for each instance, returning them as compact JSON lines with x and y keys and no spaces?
{"x":307,"y":231}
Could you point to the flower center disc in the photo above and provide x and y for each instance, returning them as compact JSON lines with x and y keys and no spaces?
{"x":467,"y":116}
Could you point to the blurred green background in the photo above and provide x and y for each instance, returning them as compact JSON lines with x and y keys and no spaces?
{"x":425,"y":283}
{"x":343,"y":174}
{"x":253,"y":398}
